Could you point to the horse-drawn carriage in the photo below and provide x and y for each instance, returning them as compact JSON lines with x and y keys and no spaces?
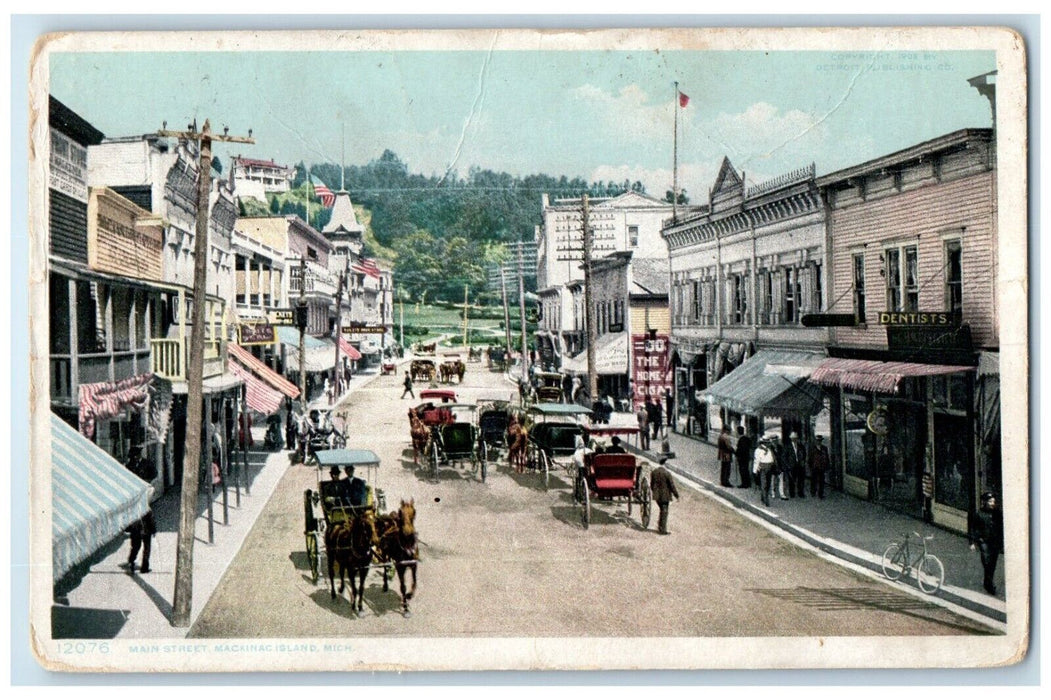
{"x":428,"y":349}
{"x":497,"y":358}
{"x":552,"y":439}
{"x":455,"y":441}
{"x":494,"y":416}
{"x":318,"y":431}
{"x":474,"y":354}
{"x":611,"y":477}
{"x":451,"y":366}
{"x":549,"y":386}
{"x":389,"y":367}
{"x":422,"y":370}
{"x":348,"y":516}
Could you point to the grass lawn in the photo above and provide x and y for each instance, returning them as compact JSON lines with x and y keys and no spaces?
{"x":438,"y":320}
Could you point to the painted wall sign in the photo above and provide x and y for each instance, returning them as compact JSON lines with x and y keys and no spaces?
{"x":650,"y":369}
{"x":69,"y":167}
{"x":281,"y":317}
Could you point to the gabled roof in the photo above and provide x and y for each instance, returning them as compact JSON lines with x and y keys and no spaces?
{"x":632,"y":199}
{"x":728,"y":178}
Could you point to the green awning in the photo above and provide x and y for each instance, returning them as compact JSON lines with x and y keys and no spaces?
{"x":752,"y":389}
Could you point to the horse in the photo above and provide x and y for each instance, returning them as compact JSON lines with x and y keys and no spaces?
{"x":516,"y":444}
{"x":396,"y":544}
{"x":421,"y":435}
{"x":349,"y":544}
{"x":460,"y":369}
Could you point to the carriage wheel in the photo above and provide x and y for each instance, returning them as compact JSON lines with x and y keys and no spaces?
{"x":434,"y":460}
{"x":585,"y":506}
{"x":485,"y":459}
{"x":312,"y":556}
{"x":644,"y":504}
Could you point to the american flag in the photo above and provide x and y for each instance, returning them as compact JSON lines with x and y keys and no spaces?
{"x":326,"y":195}
{"x":368,"y":266}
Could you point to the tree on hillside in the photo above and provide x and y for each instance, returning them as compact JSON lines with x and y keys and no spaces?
{"x":682,"y":198}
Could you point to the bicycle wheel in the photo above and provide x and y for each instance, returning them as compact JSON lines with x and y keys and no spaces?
{"x":931,"y":574}
{"x":894,"y":562}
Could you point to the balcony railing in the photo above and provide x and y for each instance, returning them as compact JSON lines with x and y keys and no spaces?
{"x":170,"y":358}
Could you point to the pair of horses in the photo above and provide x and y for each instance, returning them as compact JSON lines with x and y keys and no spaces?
{"x":353,"y":546}
{"x":448,"y":370}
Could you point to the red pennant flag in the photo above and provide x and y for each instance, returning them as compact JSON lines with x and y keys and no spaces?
{"x":684,"y":99}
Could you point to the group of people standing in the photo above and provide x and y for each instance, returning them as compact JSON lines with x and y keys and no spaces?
{"x":650,"y":416}
{"x":777,"y":469}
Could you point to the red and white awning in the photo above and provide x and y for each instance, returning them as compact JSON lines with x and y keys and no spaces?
{"x":259,"y":368}
{"x":259,"y":395}
{"x":348,"y":349}
{"x":879,"y":377}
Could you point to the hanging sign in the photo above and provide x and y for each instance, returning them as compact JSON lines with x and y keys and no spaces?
{"x":255,"y":334}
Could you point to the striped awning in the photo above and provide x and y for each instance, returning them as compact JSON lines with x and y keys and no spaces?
{"x":879,"y":377}
{"x":348,"y":349}
{"x":259,"y":395}
{"x":93,"y":497}
{"x":753,"y":390}
{"x":259,"y":368}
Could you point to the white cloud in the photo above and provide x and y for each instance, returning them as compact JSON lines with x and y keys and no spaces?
{"x":694,"y":178}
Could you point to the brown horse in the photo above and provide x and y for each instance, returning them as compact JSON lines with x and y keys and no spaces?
{"x":461,"y":369}
{"x":396,"y":544}
{"x":349,"y":544}
{"x":421,"y":436}
{"x":516,"y":444}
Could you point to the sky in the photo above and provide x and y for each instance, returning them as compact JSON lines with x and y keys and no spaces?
{"x":601,"y":115}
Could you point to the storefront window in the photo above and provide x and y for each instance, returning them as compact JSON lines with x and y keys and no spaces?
{"x":860,"y":444}
{"x":58,"y":307}
{"x":90,"y":310}
{"x":952,"y":460}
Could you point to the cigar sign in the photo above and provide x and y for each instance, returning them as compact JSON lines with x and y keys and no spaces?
{"x":650,"y":372}
{"x":255,"y":334}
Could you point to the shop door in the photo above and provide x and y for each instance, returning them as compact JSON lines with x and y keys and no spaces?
{"x":953,"y":478}
{"x":901,"y":476}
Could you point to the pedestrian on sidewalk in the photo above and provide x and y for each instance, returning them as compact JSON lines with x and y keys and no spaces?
{"x":726,"y":455}
{"x":743,"y":452}
{"x":141,"y":532}
{"x":796,"y":461}
{"x":642,"y":415}
{"x":663,"y":488}
{"x":766,"y":466}
{"x":656,"y":420}
{"x":985,"y":530}
{"x":408,"y":386}
{"x":820,"y":462}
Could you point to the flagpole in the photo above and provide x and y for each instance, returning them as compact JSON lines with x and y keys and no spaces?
{"x":675,"y":159}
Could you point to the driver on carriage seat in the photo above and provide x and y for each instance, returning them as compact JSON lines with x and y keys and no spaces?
{"x":357,"y":491}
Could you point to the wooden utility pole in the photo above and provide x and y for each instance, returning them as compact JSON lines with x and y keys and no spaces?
{"x":521,"y":307}
{"x":182,"y":600}
{"x":301,"y":321}
{"x":589,"y":304}
{"x":339,"y":333}
{"x":507,"y":312}
{"x":465,"y":315}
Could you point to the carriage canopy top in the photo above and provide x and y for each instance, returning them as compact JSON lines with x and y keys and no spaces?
{"x":443,"y":394}
{"x":342,"y":458}
{"x":560,"y":409}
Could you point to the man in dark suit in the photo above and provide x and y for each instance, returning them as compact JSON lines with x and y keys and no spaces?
{"x":142,"y":532}
{"x":743,"y":452}
{"x":795,"y":466}
{"x":663,"y":488}
{"x":615,"y":447}
{"x":985,"y":530}
{"x":357,"y":489}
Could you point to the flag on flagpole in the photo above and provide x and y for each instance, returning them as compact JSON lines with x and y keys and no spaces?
{"x":684,"y":99}
{"x":326,"y":195}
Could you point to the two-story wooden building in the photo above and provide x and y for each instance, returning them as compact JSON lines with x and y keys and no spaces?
{"x":745,"y":269}
{"x":914,"y":385}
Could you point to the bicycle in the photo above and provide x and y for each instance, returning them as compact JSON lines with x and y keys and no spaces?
{"x":897,"y":562}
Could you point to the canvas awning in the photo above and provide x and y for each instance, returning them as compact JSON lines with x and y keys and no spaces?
{"x":259,"y":395}
{"x":317,"y":359}
{"x":93,"y":497}
{"x":879,"y":377}
{"x":259,"y":368}
{"x":611,"y":356}
{"x":753,"y":390}
{"x":290,"y":337}
{"x":348,"y":349}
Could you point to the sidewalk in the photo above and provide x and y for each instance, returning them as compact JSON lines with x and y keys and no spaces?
{"x":843,"y":526}
{"x":99,"y":600}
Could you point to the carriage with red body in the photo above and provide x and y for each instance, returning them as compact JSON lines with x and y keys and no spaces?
{"x":611,"y":477}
